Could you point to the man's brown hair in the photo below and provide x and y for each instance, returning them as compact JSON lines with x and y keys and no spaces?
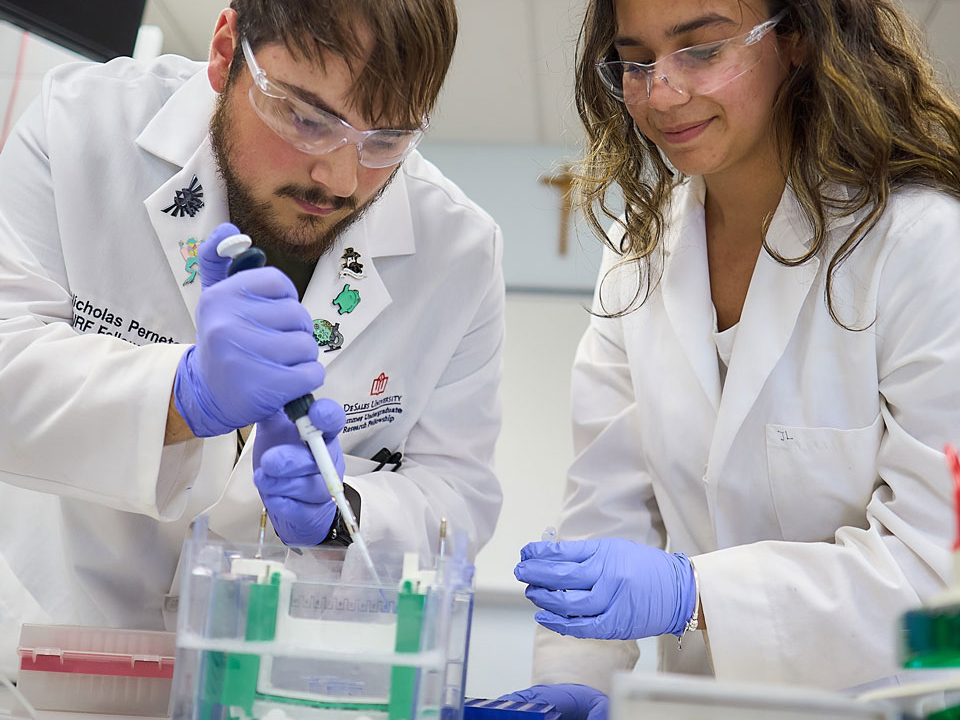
{"x":412,"y":45}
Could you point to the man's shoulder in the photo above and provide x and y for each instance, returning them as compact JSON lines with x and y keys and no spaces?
{"x":74,"y":86}
{"x":430,"y":190}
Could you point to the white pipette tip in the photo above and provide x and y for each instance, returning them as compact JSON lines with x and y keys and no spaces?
{"x":331,"y":478}
{"x":365,"y":554}
{"x":234,"y":245}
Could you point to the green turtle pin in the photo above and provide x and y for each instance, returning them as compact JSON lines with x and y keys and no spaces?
{"x":347,"y":300}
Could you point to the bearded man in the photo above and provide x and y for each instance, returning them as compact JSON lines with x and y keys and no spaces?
{"x":130,"y":380}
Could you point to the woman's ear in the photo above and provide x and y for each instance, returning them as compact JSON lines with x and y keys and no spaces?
{"x":222,"y":47}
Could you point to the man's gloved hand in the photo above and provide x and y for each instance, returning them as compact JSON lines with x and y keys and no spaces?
{"x":255,"y":349}
{"x":608,"y":589}
{"x":573,"y":702}
{"x":285,"y":473}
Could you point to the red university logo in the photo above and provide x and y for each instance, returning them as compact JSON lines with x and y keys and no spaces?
{"x":379,"y":384}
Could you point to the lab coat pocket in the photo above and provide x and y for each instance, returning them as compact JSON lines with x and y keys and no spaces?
{"x":821,"y":479}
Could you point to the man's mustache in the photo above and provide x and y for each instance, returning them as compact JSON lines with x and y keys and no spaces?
{"x":316,"y":196}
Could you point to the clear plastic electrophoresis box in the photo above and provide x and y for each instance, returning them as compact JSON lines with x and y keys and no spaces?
{"x":277,"y":633}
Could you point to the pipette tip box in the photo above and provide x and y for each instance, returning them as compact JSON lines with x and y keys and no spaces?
{"x":96,"y":670}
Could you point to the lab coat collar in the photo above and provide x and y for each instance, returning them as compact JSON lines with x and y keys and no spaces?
{"x":179,"y":134}
{"x":796,"y":237}
{"x":385,"y":230}
{"x":180,"y":235}
{"x":178,"y":129}
{"x":793,"y":237}
{"x":388,"y":223}
{"x":685,"y":285}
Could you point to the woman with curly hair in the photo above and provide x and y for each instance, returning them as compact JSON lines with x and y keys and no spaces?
{"x":772,"y":368}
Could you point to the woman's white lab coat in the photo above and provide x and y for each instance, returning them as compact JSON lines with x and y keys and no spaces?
{"x":811,"y":493}
{"x":95,"y":507}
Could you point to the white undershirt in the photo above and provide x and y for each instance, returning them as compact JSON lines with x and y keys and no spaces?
{"x":724,"y":342}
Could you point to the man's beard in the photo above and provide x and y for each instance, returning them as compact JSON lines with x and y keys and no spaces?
{"x":307,"y":240}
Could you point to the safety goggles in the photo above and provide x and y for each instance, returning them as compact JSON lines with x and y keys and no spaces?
{"x":315,"y":131}
{"x":696,"y":70}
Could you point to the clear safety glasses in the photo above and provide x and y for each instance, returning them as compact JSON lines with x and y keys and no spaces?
{"x":696,"y":70}
{"x":315,"y":131}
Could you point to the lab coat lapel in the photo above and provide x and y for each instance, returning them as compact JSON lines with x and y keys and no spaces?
{"x":774,"y":300}
{"x":181,"y":217}
{"x":331,"y":297}
{"x":686,"y":287}
{"x":180,"y":235}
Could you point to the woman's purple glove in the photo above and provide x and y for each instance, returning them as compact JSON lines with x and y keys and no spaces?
{"x":573,"y":702}
{"x":285,"y":473}
{"x":255,"y":348}
{"x":608,"y":589}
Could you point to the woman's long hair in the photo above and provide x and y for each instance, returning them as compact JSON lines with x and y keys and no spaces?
{"x":864,"y":110}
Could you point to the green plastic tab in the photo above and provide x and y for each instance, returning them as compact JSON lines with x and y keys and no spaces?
{"x":403,"y":680}
{"x":931,"y":637}
{"x":262,"y":611}
{"x":242,"y":669}
{"x":950,"y":713}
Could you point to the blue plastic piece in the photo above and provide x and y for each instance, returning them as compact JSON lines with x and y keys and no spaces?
{"x":480,"y":709}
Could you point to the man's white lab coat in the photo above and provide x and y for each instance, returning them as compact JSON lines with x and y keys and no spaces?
{"x":812,"y":493}
{"x":97,"y":298}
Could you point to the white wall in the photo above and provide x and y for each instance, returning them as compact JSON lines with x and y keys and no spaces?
{"x":535,"y":447}
{"x":39,"y":55}
{"x":533,"y":453}
{"x":505,"y":181}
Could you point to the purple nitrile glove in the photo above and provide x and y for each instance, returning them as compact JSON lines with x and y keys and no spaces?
{"x":285,"y":473}
{"x":255,"y":348}
{"x":213,"y":268}
{"x":573,"y":702}
{"x":608,"y":589}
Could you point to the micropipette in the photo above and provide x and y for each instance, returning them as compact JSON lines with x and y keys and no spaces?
{"x":244,"y":256}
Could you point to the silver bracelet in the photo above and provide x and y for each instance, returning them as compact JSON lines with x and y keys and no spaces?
{"x":693,"y":622}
